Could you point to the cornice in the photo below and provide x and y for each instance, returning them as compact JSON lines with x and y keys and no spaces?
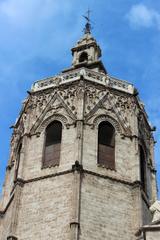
{"x":76,"y":167}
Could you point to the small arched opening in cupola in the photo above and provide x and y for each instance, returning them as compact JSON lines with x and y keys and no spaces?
{"x":83,"y":57}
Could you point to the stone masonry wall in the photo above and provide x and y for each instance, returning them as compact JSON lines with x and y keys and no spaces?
{"x":34,"y":156}
{"x":45,"y":209}
{"x":5,"y":223}
{"x":126,"y":157}
{"x":153,"y":235}
{"x":106,"y":210}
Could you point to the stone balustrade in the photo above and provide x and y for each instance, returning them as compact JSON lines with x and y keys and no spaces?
{"x":89,"y":75}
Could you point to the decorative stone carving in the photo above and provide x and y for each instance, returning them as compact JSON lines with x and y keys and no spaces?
{"x":90,"y":75}
{"x":92,"y":96}
{"x":49,"y":102}
{"x":125,"y":103}
{"x":51,"y":82}
{"x":109,"y":119}
{"x":155,"y":209}
{"x":69,"y":96}
{"x":40,"y":100}
{"x":98,"y":77}
{"x":120,"y":85}
{"x":55,"y":117}
{"x":80,"y":90}
{"x":111,"y":104}
{"x":70,"y":76}
{"x":55,"y":107}
{"x":121,"y":107}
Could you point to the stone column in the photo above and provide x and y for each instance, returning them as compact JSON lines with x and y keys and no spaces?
{"x":75,"y":221}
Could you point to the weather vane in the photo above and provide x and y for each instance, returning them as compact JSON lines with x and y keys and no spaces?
{"x":87,"y":28}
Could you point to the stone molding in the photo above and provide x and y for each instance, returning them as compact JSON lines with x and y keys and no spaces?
{"x":107,"y":118}
{"x":80,"y":170}
{"x":76,"y":167}
{"x":55,"y":117}
{"x":12,"y":238}
{"x":155,"y":209}
{"x":2,"y":213}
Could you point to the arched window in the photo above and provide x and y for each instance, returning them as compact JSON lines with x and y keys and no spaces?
{"x":106,"y":145}
{"x":83,"y":57}
{"x":142,"y":168}
{"x":52,"y":144}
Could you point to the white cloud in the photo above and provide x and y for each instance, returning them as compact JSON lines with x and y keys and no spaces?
{"x":142,"y":16}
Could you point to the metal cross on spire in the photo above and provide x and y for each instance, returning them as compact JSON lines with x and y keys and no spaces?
{"x":87,"y":28}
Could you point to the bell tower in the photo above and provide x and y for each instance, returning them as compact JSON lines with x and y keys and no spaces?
{"x":87,"y":52}
{"x":81,"y":162}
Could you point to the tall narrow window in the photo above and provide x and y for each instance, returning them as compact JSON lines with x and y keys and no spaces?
{"x":52,"y":144}
{"x":18,"y":161}
{"x":106,"y":145}
{"x":142,"y":168}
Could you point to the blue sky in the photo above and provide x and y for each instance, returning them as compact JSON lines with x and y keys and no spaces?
{"x":35,"y":41}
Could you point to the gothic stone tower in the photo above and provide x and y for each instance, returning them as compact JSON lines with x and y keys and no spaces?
{"x":81,"y":163}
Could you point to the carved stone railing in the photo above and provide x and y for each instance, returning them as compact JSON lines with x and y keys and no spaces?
{"x":71,"y":76}
{"x":96,"y":77}
{"x":46,"y":83}
{"x":89,"y":75}
{"x":121,"y":85}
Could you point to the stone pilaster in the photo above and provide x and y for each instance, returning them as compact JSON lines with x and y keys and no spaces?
{"x":15,"y":211}
{"x":77,"y":167}
{"x":137,"y":201}
{"x":75,"y":220}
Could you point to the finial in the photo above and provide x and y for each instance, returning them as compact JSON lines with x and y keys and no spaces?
{"x":87,"y":28}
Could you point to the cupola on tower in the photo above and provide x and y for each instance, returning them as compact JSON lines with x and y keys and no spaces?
{"x":81,"y":162}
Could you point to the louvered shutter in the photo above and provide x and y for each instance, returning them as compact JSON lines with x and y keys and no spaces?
{"x":52,"y":144}
{"x":106,"y":145}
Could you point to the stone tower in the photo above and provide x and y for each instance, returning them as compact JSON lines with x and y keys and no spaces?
{"x":81,"y":163}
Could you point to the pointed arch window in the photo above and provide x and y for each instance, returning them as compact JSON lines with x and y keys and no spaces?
{"x":106,"y":145}
{"x":142,"y":168}
{"x":52,"y":144}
